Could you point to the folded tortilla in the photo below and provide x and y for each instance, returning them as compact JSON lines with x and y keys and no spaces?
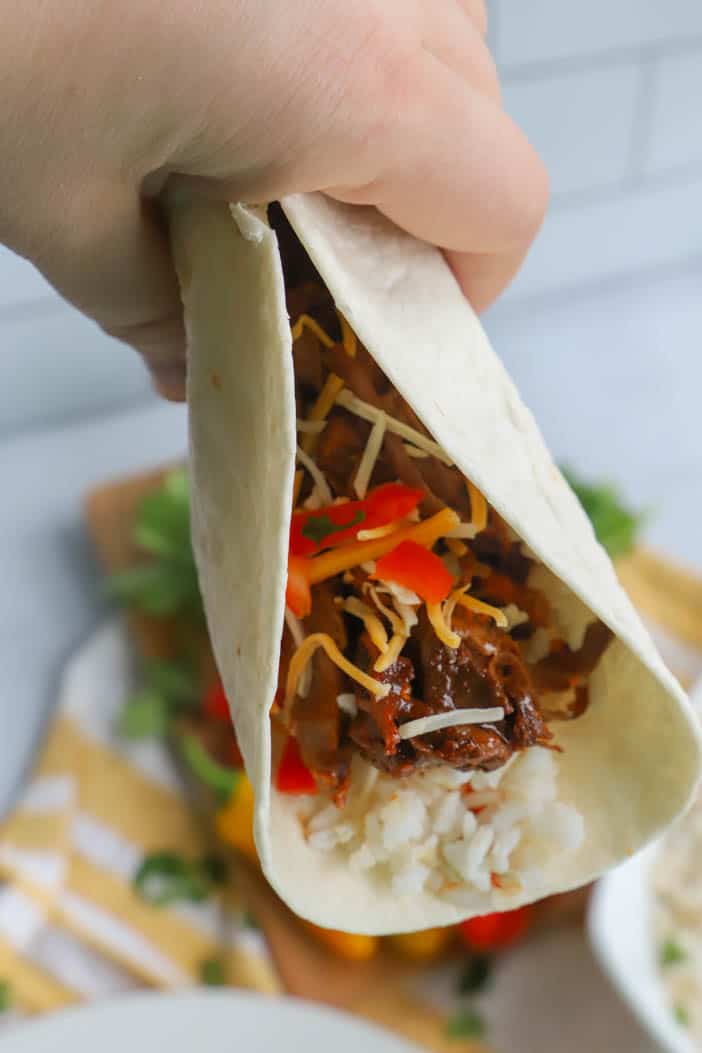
{"x":628,"y":766}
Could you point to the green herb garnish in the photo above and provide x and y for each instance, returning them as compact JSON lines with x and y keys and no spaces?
{"x":681,"y":1015}
{"x":212,"y":973}
{"x":616,"y":526}
{"x":466,"y":1023}
{"x":168,"y":689}
{"x":167,"y":584}
{"x":5,"y":996}
{"x":671,"y":953}
{"x":476,"y":974}
{"x":319,"y":527}
{"x":223,"y":781}
{"x":165,"y":877}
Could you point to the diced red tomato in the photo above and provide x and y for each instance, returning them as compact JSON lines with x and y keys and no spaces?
{"x":495,"y":932}
{"x":416,"y":568}
{"x":293,"y":775}
{"x":214,"y":702}
{"x":298,"y":595}
{"x":334,"y":525}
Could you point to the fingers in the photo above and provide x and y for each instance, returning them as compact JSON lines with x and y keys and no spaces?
{"x":455,"y":40}
{"x":477,"y":10}
{"x":457,"y":171}
{"x":111,"y":258}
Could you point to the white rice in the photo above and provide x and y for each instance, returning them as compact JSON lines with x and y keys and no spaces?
{"x":447,"y":832}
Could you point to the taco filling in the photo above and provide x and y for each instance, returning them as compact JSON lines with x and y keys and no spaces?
{"x":420,"y":642}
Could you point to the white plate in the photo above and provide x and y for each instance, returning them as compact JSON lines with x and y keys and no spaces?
{"x":620,"y":925}
{"x":621,"y":933}
{"x":197,"y":1022}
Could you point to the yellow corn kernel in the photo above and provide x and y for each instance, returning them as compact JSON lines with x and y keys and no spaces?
{"x":234,"y":822}
{"x":421,"y":946}
{"x":350,"y":945}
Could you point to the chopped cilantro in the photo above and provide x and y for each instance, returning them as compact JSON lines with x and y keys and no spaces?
{"x":681,"y":1015}
{"x":212,"y":973}
{"x":166,"y":877}
{"x":144,"y":716}
{"x":167,"y":583}
{"x":476,"y":974}
{"x":671,"y":953}
{"x":466,"y":1023}
{"x":5,"y":996}
{"x":319,"y":527}
{"x":616,"y":526}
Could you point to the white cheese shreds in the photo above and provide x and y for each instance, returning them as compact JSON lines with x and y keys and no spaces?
{"x":435,"y":615}
{"x":395,"y":619}
{"x":347,"y":703}
{"x":455,"y":718}
{"x":371,"y":621}
{"x":314,"y":427}
{"x":370,"y":413}
{"x":381,"y":531}
{"x":401,"y":593}
{"x":306,"y":322}
{"x":303,"y":655}
{"x":370,"y":456}
{"x":464,"y":530}
{"x":298,"y":634}
{"x":414,"y":451}
{"x":320,"y":482}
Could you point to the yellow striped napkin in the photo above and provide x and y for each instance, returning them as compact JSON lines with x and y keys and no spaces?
{"x":72,"y":926}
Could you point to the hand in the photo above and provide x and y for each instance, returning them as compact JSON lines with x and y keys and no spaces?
{"x":392,"y":103}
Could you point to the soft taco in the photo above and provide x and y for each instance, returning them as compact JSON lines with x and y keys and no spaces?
{"x":444,"y":699}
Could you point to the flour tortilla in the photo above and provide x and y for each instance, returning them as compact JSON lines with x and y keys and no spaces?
{"x":629,"y":764}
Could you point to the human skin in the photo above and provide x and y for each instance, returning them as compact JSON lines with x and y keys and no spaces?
{"x":389,"y":103}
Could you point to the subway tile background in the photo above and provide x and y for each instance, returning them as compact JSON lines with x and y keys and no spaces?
{"x":610,"y":93}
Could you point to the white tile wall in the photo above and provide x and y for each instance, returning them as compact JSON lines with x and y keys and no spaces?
{"x":649,"y":229}
{"x":675,"y":138}
{"x":20,"y":282}
{"x":546,"y":30}
{"x":610,"y":93}
{"x":580,"y":122}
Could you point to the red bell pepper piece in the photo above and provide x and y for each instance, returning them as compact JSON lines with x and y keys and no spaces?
{"x":334,"y":525}
{"x":293,"y":775}
{"x":214,"y":702}
{"x":495,"y":932}
{"x":416,"y":568}
{"x":298,"y":596}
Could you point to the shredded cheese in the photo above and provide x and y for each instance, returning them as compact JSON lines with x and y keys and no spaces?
{"x":333,"y":386}
{"x":347,"y":703}
{"x":312,"y":426}
{"x":478,"y":507}
{"x":298,"y":634}
{"x":479,"y":607}
{"x":435,"y":615}
{"x":457,"y":547}
{"x":455,"y":718}
{"x":348,"y":337}
{"x":336,"y":561}
{"x":320,"y":482}
{"x":414,"y":451}
{"x":305,"y":652}
{"x":372,"y":623}
{"x":397,"y":622}
{"x":370,"y":456}
{"x":381,"y":531}
{"x":465,"y":530}
{"x":370,"y":413}
{"x":305,"y":321}
{"x":391,"y":653}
